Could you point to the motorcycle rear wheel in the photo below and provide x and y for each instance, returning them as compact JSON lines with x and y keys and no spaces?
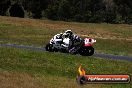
{"x":87,"y":51}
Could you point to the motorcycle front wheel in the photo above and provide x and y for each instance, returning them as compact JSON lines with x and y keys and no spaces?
{"x":49,"y":47}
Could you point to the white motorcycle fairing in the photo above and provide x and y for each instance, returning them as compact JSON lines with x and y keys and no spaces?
{"x":65,"y":44}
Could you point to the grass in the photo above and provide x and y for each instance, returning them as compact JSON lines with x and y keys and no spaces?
{"x":114,"y":46}
{"x":21,"y":68}
{"x":111,"y":38}
{"x":23,"y":35}
{"x":55,"y":69}
{"x":23,"y":80}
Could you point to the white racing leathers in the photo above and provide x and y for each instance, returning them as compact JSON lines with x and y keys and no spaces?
{"x":76,"y":43}
{"x":66,"y":43}
{"x":56,"y":41}
{"x":72,"y":41}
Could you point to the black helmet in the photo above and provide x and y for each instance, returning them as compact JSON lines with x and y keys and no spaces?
{"x":68,"y":32}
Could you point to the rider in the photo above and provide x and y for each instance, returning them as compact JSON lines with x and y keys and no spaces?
{"x":67,"y":38}
{"x":69,"y":34}
{"x":75,"y":41}
{"x":76,"y":44}
{"x":57,"y":39}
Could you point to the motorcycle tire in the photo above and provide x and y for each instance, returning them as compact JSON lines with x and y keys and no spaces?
{"x":49,"y":47}
{"x":91,"y":51}
{"x":87,"y":51}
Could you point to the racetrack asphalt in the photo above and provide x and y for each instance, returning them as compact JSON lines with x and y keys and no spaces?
{"x":106,"y":56}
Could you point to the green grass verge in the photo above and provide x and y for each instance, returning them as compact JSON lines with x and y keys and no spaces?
{"x":115,"y":46}
{"x":49,"y":70}
{"x":24,"y":35}
{"x":60,"y":65}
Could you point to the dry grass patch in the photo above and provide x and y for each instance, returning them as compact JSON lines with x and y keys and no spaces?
{"x":108,"y":31}
{"x":18,"y":80}
{"x":23,"y":80}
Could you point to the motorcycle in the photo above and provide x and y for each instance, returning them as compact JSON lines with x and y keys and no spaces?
{"x":85,"y":48}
